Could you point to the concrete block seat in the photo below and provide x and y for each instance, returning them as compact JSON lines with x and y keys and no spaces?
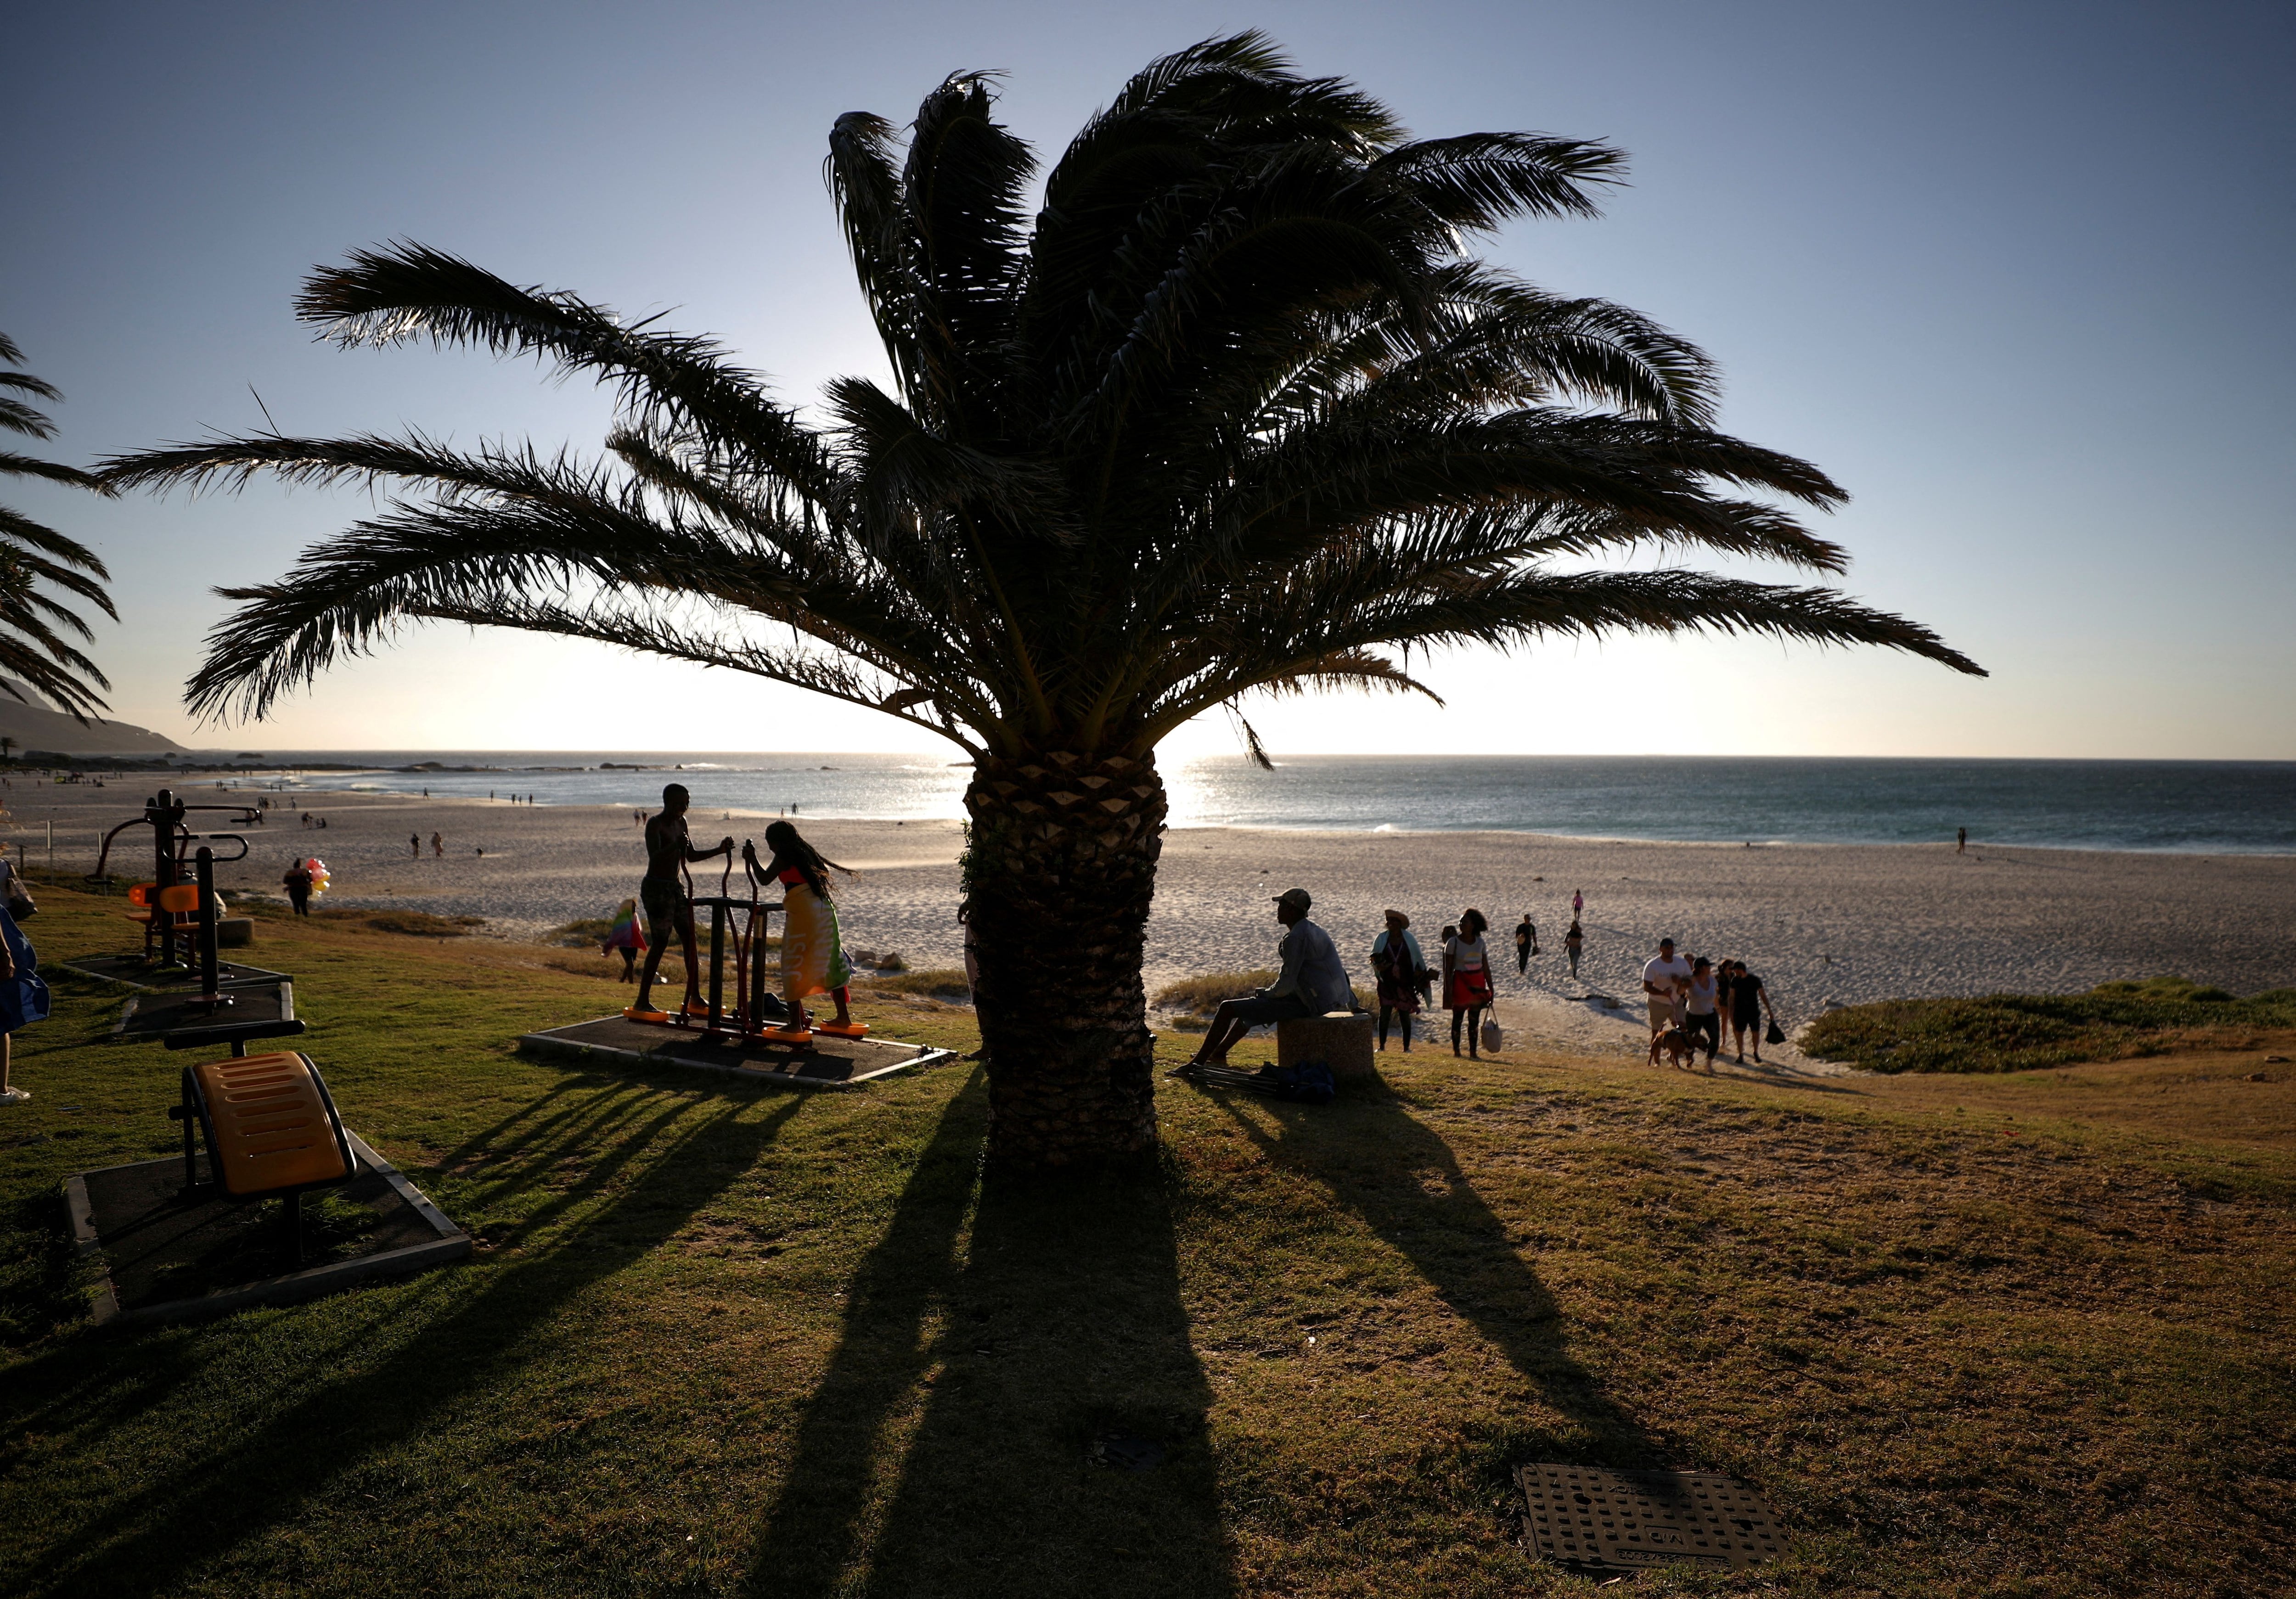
{"x":1340,"y":1039}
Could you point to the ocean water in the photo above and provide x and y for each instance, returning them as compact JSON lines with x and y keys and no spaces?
{"x":2202,"y":807}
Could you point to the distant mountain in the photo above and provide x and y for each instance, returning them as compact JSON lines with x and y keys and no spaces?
{"x":36,"y":728}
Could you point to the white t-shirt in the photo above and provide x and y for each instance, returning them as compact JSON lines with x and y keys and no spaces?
{"x":1663,"y":973}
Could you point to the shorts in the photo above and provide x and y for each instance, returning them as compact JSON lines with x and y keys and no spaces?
{"x":1661,"y":1014}
{"x":664,"y":902}
{"x":1259,"y":1012}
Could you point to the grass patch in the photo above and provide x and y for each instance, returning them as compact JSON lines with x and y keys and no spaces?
{"x":2017,"y":1334}
{"x":946,"y":983}
{"x":2019,"y":1032}
{"x":589,"y":932}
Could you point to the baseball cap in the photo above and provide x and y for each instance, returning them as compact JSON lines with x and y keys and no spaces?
{"x":1294,"y":897}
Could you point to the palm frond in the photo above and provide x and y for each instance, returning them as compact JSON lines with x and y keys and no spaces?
{"x":38,"y":388}
{"x":1479,"y":181}
{"x":14,"y":465}
{"x":17,"y":417}
{"x":403,"y":291}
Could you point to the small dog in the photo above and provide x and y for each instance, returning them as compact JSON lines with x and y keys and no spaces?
{"x":1678,"y":1045}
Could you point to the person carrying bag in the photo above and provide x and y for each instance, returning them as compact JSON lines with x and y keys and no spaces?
{"x":23,"y":999}
{"x":14,"y":892}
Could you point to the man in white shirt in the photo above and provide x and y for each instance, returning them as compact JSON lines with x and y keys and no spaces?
{"x":1660,"y":977}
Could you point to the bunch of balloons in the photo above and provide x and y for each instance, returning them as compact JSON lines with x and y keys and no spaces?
{"x":320,"y":876}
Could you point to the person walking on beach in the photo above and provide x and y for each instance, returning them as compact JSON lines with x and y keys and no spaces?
{"x":1749,"y":998}
{"x":669,"y":848}
{"x":1577,"y":904}
{"x":1526,"y":944}
{"x":415,"y":845}
{"x":297,"y":884}
{"x":1702,"y":1018}
{"x":1662,"y":974}
{"x":1467,"y":981}
{"x":1574,"y":944}
{"x":1313,"y":980}
{"x":1961,"y":841}
{"x":438,"y":846}
{"x":1401,"y":971}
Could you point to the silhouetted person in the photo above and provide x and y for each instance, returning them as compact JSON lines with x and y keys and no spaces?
{"x":669,"y":848}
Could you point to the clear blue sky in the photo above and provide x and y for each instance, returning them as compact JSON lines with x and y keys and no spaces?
{"x":2018,"y":275}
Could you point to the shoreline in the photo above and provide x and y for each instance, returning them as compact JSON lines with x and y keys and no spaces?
{"x":1825,"y":924}
{"x":208,"y":777}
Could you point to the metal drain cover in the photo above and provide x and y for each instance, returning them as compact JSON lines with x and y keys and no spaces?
{"x":1625,"y":1521}
{"x":1122,"y":1451}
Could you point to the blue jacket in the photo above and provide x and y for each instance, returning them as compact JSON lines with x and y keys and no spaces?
{"x":25,"y":1000}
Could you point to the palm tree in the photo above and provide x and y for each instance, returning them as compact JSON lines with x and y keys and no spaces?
{"x":33,"y":652}
{"x":1233,"y":412}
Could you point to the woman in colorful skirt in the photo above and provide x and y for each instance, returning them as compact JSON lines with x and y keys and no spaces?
{"x":813,"y":956}
{"x":627,"y":937}
{"x":1467,"y":979}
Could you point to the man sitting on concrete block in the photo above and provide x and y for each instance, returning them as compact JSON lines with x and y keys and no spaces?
{"x":1312,"y":981}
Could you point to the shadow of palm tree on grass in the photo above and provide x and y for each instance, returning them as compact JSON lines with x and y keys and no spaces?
{"x":1378,"y":1160}
{"x":259,"y":1476}
{"x":1055,"y":1319}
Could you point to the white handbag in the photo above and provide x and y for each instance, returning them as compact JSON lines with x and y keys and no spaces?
{"x":1494,"y":1040}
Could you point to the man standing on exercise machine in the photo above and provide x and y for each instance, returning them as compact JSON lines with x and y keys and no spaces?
{"x":668,"y":848}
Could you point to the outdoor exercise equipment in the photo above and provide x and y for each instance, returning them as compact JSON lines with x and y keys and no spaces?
{"x":172,"y":840}
{"x":271,"y":1129}
{"x":756,"y":1012}
{"x":245,"y":1005}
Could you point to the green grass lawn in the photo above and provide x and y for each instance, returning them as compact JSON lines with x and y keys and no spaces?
{"x":2018,"y":1334}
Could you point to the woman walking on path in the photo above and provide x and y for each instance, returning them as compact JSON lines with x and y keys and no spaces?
{"x":1704,"y":1019}
{"x":1402,"y":975}
{"x":1574,"y":943}
{"x":1467,"y":981}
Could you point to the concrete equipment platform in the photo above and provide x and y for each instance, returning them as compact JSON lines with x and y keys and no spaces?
{"x":829,"y":1063}
{"x":166,"y":1258}
{"x":137,"y":972}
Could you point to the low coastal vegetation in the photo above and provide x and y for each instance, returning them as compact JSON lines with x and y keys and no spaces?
{"x":1189,"y":1002}
{"x":945,"y":983}
{"x":2019,"y":1032}
{"x":1979,"y":1335}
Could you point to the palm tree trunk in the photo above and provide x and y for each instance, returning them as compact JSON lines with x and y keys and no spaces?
{"x":1059,"y":872}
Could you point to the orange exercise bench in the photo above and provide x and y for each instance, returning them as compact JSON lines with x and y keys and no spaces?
{"x":272,"y":1132}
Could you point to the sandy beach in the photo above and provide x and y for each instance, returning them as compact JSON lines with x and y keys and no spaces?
{"x":1824,"y":924}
